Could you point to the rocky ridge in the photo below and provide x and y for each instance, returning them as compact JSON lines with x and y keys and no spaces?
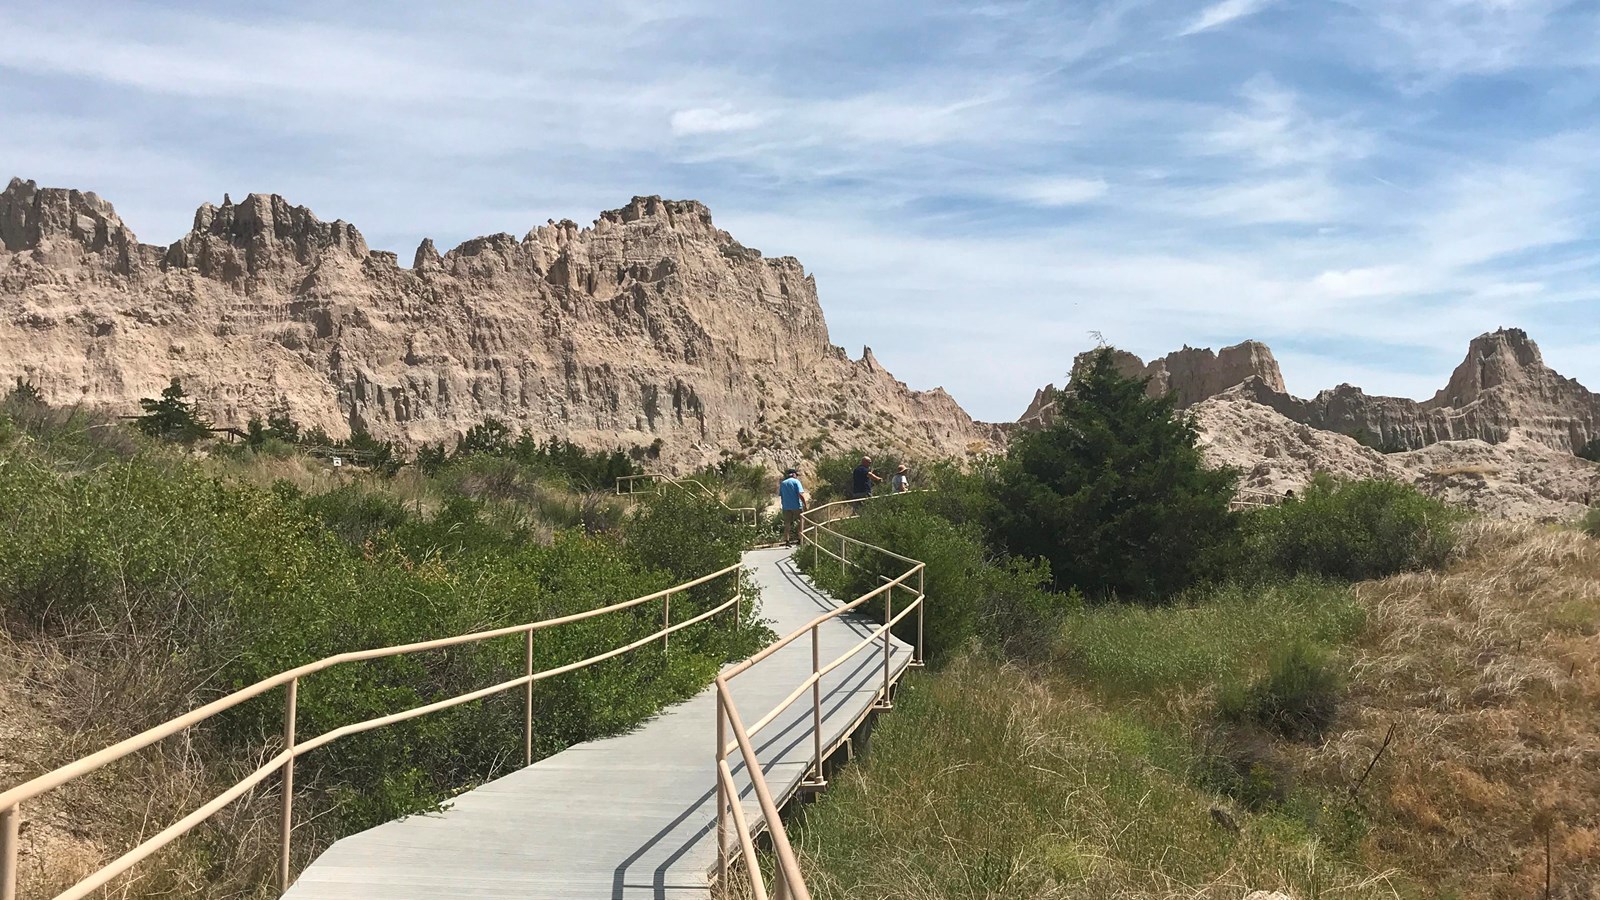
{"x":1500,"y":437}
{"x":650,"y":324}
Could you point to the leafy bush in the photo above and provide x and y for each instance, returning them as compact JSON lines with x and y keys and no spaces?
{"x":836,"y":474}
{"x":1350,"y":530}
{"x":1591,"y":451}
{"x":235,"y":583}
{"x":1115,"y":494}
{"x":969,"y":592}
{"x":1297,"y":698}
{"x":1243,"y":764}
{"x":1590,"y":522}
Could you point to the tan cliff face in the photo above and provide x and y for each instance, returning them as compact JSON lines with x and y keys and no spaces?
{"x":1502,"y":387}
{"x":650,"y":324}
{"x":1191,"y":374}
{"x":1499,"y":438}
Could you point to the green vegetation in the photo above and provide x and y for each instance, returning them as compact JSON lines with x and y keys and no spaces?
{"x":1590,"y":523}
{"x":1147,"y":742}
{"x":216,"y":572}
{"x":1352,"y":530}
{"x":1591,"y":451}
{"x":172,"y":417}
{"x":1115,"y":495}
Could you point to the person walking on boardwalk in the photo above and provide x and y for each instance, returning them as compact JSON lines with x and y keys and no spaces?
{"x":793,"y":498}
{"x":899,"y":484}
{"x":862,"y":481}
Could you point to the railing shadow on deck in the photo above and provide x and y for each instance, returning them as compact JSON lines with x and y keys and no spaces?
{"x":788,"y":880}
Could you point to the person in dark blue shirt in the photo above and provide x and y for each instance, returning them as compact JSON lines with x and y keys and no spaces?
{"x":793,"y":498}
{"x":862,"y":480}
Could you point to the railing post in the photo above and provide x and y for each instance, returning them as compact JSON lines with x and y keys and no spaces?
{"x":10,"y":849}
{"x":666,"y":621}
{"x":888,"y":637}
{"x":722,"y":796}
{"x":291,"y":701}
{"x":816,"y":701}
{"x":842,"y":556}
{"x":922,"y":603}
{"x":527,"y":702}
{"x":738,"y":596}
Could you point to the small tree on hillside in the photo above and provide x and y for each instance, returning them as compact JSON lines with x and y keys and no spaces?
{"x":1115,"y":494}
{"x":172,"y":417}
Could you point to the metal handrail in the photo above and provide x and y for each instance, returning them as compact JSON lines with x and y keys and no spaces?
{"x":658,"y":477}
{"x":1246,"y":498}
{"x":11,"y":800}
{"x":789,"y":881}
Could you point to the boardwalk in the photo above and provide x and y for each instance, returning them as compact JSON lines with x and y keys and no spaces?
{"x":625,"y":817}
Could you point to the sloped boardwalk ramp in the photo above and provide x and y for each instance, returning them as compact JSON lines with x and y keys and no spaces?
{"x":630,"y":816}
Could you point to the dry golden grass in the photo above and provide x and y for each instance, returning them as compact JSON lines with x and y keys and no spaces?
{"x":1477,"y":469}
{"x":1490,"y":672}
{"x":55,"y":708}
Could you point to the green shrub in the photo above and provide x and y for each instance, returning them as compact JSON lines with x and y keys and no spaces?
{"x":836,"y":474}
{"x":1590,"y":522}
{"x":1297,"y":698}
{"x":234,"y":583}
{"x":1115,"y":494}
{"x":1243,"y":764}
{"x":1351,"y":530}
{"x":1591,"y":451}
{"x":970,"y":593}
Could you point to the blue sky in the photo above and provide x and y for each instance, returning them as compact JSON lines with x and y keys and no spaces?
{"x":1364,"y":185}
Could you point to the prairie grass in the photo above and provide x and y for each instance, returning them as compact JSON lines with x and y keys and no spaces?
{"x":1089,"y":776}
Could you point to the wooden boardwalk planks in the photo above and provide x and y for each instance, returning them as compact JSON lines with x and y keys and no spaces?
{"x":630,"y":816}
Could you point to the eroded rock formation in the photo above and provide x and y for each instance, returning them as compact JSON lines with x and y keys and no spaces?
{"x":1502,"y":387}
{"x":652,"y":323}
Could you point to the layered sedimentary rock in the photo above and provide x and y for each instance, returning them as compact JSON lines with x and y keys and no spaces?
{"x":1190,"y":375}
{"x":1502,"y":387}
{"x":650,"y":324}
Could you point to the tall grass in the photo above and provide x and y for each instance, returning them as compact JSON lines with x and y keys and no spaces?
{"x":989,"y":783}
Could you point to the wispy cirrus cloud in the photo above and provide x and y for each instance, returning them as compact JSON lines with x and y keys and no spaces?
{"x":1364,"y":185}
{"x":1222,"y":13}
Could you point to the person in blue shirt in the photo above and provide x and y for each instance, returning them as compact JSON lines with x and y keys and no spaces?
{"x":793,"y":498}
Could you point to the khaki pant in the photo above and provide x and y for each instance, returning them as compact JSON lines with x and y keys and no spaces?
{"x":791,"y":522}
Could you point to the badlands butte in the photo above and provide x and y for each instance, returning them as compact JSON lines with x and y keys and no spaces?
{"x":654,"y":325}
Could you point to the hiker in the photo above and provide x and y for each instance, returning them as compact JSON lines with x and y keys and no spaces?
{"x":793,"y":498}
{"x":862,"y":481}
{"x":899,"y":484}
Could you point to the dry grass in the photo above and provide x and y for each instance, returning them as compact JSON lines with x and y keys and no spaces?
{"x":1491,"y":672}
{"x":63,"y":698}
{"x":1478,"y":470}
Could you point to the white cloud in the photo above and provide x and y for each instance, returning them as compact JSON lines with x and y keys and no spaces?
{"x":1063,"y":191}
{"x":717,"y":120}
{"x":1273,"y":129}
{"x":1223,"y":13}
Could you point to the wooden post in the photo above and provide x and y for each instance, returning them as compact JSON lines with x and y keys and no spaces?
{"x":922,"y":603}
{"x":527,"y":703}
{"x":666,"y":621}
{"x":291,"y":700}
{"x":816,"y":700}
{"x":722,"y":797}
{"x":888,"y":637}
{"x":10,"y":849}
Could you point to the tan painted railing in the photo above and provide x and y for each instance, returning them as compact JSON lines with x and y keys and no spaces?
{"x":627,"y":484}
{"x":789,"y":883}
{"x":12,"y":801}
{"x":1249,"y":498}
